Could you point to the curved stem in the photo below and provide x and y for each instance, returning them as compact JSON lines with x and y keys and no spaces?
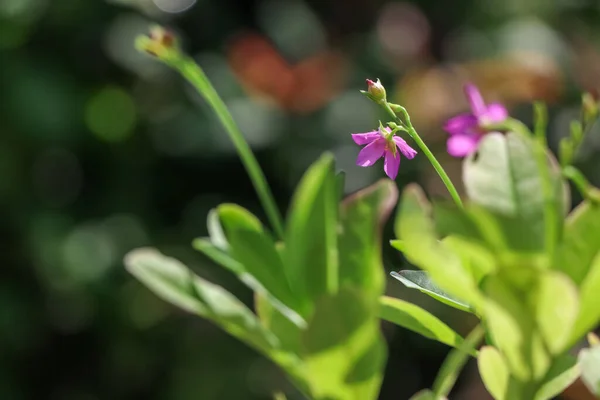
{"x":415,"y":136}
{"x":190,"y":70}
{"x":455,"y":362}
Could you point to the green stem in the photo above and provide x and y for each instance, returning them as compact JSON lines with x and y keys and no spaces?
{"x":455,"y":362}
{"x":550,"y":216}
{"x":190,"y":70}
{"x":581,"y":183}
{"x":415,"y":136}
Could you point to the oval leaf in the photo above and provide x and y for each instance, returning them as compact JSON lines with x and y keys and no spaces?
{"x":556,"y":303}
{"x":504,"y":178}
{"x":494,"y":372}
{"x":175,"y":283}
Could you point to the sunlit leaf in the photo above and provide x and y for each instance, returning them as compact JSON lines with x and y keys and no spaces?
{"x":279,"y":323}
{"x":252,"y":247}
{"x":512,"y":330}
{"x":175,"y":283}
{"x":564,"y":371}
{"x":589,"y":309}
{"x":226,"y":260}
{"x":420,"y":280}
{"x":422,"y":248}
{"x":494,"y":372}
{"x":556,"y":303}
{"x":504,"y":178}
{"x":311,"y":251}
{"x":416,"y":319}
{"x":343,"y":347}
{"x":581,"y":242}
{"x":362,"y":217}
{"x":215,"y":230}
{"x":589,"y":362}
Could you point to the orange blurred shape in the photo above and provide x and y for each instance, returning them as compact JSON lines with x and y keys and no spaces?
{"x":300,"y":88}
{"x":433,"y":94}
{"x":586,"y":65}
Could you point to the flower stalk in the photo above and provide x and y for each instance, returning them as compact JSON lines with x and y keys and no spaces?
{"x":393,"y":110}
{"x":162,"y":45}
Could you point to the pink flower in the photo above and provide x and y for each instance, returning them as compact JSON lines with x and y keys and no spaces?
{"x":384,"y":144}
{"x":466,"y":130}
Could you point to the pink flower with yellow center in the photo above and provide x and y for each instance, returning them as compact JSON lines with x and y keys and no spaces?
{"x":382,"y":143}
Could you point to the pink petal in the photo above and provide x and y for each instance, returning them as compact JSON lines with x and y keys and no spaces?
{"x":462,"y":145}
{"x":391,"y":164}
{"x":408,"y":151}
{"x":475,"y":100}
{"x":495,"y":112}
{"x":365,"y":138}
{"x":371,"y":153}
{"x":460,"y":124}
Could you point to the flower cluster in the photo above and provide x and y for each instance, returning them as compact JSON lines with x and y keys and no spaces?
{"x":465,"y":130}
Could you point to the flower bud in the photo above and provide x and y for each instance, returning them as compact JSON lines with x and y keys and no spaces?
{"x":590,"y":108}
{"x":160,"y":43}
{"x":376,"y":91}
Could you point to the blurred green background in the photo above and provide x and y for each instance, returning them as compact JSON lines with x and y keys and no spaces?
{"x":103,"y":150}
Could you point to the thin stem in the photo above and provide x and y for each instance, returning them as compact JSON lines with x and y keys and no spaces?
{"x":551,"y":231}
{"x":455,"y":362}
{"x":415,"y":136}
{"x":581,"y":183}
{"x":194,"y":74}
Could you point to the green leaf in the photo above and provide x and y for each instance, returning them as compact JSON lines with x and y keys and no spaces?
{"x":256,"y":251}
{"x":556,"y":303}
{"x":175,"y":283}
{"x":494,"y":372}
{"x":420,"y":280}
{"x":215,"y":231}
{"x":362,"y":217}
{"x":311,"y":257}
{"x":226,"y":260}
{"x":589,"y":361}
{"x":564,"y":371}
{"x":398,"y":245}
{"x":581,"y":242}
{"x":503,"y":177}
{"x":233,"y":216}
{"x":589,"y":311}
{"x":340,"y":182}
{"x":512,"y":330}
{"x":477,"y":259}
{"x":418,"y":320}
{"x":219,"y":256}
{"x":415,"y":228}
{"x":279,"y":323}
{"x":343,"y":348}
{"x":426,"y":394}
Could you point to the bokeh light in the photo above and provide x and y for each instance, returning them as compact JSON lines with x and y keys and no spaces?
{"x":110,"y":114}
{"x":174,"y":6}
